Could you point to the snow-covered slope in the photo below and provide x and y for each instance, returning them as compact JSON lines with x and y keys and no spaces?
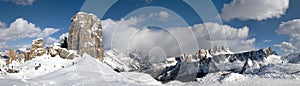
{"x":271,"y":75}
{"x":37,"y":67}
{"x":120,"y":61}
{"x":235,"y":79}
{"x":85,"y":71}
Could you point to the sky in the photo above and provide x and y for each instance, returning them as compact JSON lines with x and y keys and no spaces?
{"x":170,"y":26}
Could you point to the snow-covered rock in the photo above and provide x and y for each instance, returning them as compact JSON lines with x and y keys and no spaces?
{"x":248,"y":62}
{"x":37,"y":49}
{"x":85,"y":35}
{"x":245,"y":62}
{"x":11,"y":56}
{"x":220,"y":50}
{"x":55,"y":49}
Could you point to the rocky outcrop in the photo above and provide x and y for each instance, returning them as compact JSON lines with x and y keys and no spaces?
{"x":37,"y":49}
{"x":85,"y":35}
{"x":241,"y":62}
{"x":11,"y":56}
{"x":188,"y":70}
{"x":55,"y":49}
{"x":65,"y":54}
{"x":187,"y":58}
{"x":216,"y":50}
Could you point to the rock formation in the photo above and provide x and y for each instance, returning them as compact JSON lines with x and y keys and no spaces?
{"x":37,"y":49}
{"x":202,"y":55}
{"x":11,"y":56}
{"x":186,"y":58}
{"x":55,"y":49}
{"x":85,"y":35}
{"x":187,"y":70}
{"x":253,"y":57}
{"x":220,"y":50}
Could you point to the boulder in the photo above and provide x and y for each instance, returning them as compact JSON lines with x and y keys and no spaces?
{"x":85,"y":35}
{"x":55,"y":50}
{"x":64,"y":53}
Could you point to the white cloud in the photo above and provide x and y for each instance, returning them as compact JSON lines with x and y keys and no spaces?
{"x":250,"y":41}
{"x":50,"y":40}
{"x":47,"y":32}
{"x":254,"y":9}
{"x":19,"y":29}
{"x":4,"y":46}
{"x":286,"y":47}
{"x":22,"y":29}
{"x":221,"y":31}
{"x":63,"y":35}
{"x":174,"y":40}
{"x":20,"y":2}
{"x":267,"y":41}
{"x":2,"y":25}
{"x":164,"y":14}
{"x":292,"y":29}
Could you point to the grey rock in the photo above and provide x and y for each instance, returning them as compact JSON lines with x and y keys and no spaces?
{"x":85,"y":35}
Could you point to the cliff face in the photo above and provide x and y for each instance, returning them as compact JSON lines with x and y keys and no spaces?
{"x":85,"y":35}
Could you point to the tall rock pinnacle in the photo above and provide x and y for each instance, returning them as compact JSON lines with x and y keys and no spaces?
{"x":85,"y":35}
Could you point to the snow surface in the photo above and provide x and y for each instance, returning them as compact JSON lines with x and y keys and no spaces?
{"x":121,"y":61}
{"x":86,"y":71}
{"x":233,"y":79}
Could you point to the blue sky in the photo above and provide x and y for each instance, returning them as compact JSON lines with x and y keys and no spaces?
{"x":56,"y":14}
